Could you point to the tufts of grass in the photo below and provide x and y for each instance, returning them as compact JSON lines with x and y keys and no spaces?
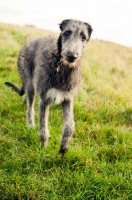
{"x":98,"y":164}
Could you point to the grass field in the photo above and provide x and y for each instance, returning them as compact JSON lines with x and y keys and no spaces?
{"x":98,"y":164}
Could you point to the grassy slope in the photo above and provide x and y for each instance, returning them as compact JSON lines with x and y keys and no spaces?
{"x":98,"y":164}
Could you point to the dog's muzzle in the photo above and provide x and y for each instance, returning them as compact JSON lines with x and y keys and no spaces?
{"x":71,"y":57}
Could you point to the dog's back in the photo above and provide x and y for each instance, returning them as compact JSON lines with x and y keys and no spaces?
{"x":35,"y":52}
{"x":29,"y":56}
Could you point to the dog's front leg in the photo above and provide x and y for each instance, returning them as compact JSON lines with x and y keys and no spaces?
{"x":43,"y":118}
{"x":69,"y":125}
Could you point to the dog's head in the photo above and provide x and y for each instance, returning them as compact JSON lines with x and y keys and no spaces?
{"x":72,"y":41}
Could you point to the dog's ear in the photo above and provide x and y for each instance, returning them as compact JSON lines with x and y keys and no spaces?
{"x":62,"y":27}
{"x":63,"y":24}
{"x":59,"y":45}
{"x":89,"y":27}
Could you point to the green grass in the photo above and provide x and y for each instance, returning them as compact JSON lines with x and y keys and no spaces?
{"x":98,"y":164}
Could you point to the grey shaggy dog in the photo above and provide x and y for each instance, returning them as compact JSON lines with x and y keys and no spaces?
{"x":50,"y":68}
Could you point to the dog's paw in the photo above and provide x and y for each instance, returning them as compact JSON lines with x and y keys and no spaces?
{"x":44,"y":136}
{"x":62,"y":151}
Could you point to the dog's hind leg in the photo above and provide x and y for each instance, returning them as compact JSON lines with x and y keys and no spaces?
{"x":30,"y":104}
{"x":43,"y":118}
{"x":69,"y":125}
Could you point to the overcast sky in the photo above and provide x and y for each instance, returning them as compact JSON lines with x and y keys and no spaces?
{"x":110,"y":19}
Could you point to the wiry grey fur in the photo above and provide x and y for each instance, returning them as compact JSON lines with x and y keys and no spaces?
{"x":50,"y":68}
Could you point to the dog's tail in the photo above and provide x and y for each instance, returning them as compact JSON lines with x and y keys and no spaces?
{"x":20,"y":91}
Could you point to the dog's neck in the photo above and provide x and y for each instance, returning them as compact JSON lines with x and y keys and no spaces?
{"x":61,"y":76}
{"x":58,"y":61}
{"x":57,"y":56}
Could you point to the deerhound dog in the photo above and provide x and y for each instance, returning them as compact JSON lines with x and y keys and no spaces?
{"x":50,"y":68}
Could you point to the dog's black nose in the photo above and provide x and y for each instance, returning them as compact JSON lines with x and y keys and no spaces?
{"x":71,"y":56}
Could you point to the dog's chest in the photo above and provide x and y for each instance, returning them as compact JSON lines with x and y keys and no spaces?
{"x":56,"y":96}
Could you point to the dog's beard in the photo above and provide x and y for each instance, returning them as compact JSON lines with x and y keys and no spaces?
{"x":70,"y":64}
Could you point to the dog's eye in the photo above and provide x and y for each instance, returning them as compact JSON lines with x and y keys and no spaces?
{"x":83,"y":37}
{"x":67,"y":34}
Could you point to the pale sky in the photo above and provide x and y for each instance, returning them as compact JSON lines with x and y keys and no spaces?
{"x":111,"y":19}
